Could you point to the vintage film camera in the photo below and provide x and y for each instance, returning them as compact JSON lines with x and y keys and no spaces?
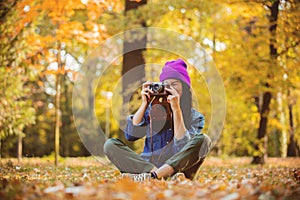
{"x":160,"y":113}
{"x":158,"y":88}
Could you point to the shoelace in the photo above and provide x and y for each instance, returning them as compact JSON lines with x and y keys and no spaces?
{"x":142,"y":177}
{"x":138,"y":177}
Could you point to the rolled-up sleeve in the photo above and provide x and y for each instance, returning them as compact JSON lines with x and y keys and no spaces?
{"x":134,"y":132}
{"x":197,"y":125}
{"x":179,"y":144}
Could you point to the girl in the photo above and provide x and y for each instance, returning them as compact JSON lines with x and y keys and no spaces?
{"x":179,"y":149}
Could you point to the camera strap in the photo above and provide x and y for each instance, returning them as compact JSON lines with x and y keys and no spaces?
{"x":151,"y":133}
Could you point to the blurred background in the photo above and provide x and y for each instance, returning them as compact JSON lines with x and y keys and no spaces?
{"x":255,"y":46}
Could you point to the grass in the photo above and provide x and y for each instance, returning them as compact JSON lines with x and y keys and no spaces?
{"x":94,"y":178}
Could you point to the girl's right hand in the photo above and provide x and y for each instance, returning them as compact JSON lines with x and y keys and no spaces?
{"x":146,"y":91}
{"x":138,"y":116}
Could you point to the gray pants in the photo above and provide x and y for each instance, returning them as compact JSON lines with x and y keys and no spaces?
{"x":188,"y":160}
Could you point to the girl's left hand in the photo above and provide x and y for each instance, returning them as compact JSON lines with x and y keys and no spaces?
{"x":173,"y":99}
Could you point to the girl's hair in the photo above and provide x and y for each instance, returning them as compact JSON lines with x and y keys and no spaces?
{"x":186,"y":104}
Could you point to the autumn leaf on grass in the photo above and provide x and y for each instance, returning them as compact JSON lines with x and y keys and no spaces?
{"x":297,"y":175}
{"x":56,"y":188}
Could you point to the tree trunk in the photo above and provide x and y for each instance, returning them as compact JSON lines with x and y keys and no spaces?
{"x":267,"y":96}
{"x":57,"y":106}
{"x":282,"y":118}
{"x":133,"y":70}
{"x":260,"y":159}
{"x":292,"y":147}
{"x":133,"y":61}
{"x":20,"y":147}
{"x":57,"y":118}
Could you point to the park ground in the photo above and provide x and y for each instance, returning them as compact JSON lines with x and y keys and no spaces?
{"x":94,"y":178}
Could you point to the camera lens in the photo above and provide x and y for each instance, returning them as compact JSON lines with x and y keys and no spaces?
{"x":157,"y":87}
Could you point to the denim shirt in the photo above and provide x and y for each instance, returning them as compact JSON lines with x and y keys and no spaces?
{"x":161,"y":146}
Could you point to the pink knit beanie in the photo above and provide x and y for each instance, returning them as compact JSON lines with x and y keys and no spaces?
{"x":176,"y":69}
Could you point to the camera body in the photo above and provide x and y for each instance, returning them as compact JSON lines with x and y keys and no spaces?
{"x":160,"y":113}
{"x":158,"y":88}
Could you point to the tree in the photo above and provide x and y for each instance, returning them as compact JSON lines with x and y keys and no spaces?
{"x":16,"y":109}
{"x":62,"y":28}
{"x":56,"y":31}
{"x":133,"y":58}
{"x":289,"y":53}
{"x":133,"y":70}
